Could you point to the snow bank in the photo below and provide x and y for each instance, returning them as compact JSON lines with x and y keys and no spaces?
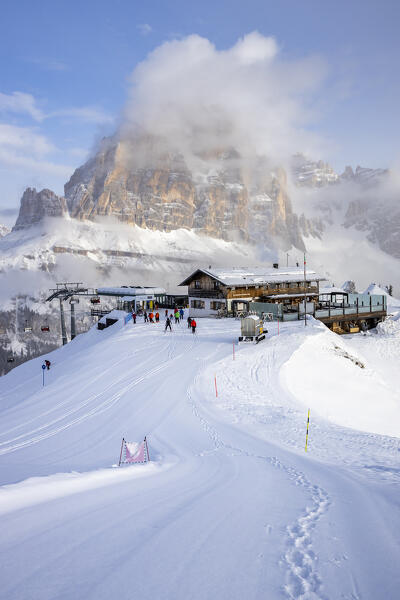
{"x":390,"y":326}
{"x":337,"y":383}
{"x":37,"y":490}
{"x":374,"y":289}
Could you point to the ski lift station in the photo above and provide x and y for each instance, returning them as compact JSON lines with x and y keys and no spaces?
{"x":134,"y":298}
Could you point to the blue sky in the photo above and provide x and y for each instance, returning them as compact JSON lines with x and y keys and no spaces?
{"x":65,"y":66}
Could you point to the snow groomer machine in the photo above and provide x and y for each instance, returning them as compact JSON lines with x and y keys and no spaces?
{"x":252,"y":329}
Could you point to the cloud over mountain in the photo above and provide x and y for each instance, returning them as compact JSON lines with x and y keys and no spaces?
{"x":202,"y":99}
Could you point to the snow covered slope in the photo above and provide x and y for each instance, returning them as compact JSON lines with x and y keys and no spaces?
{"x":97,"y":254}
{"x":231,"y":506}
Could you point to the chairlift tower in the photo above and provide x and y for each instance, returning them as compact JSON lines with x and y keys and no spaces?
{"x":64,"y":291}
{"x":63,"y":328}
{"x":72,"y":302}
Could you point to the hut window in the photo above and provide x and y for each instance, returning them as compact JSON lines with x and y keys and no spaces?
{"x":216,"y":305}
{"x":216,"y":285}
{"x":197,"y":304}
{"x":197,"y":285}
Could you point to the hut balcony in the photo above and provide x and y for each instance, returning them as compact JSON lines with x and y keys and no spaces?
{"x":202,"y":293}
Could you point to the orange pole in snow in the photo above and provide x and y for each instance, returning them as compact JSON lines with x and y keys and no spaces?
{"x":216,"y":389}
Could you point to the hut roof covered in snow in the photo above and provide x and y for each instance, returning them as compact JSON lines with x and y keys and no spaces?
{"x":255,"y":275}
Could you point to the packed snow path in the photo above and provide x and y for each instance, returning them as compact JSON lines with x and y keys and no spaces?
{"x":231,"y":507}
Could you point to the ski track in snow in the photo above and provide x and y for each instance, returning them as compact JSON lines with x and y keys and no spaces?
{"x":70,"y":399}
{"x":96,"y":410}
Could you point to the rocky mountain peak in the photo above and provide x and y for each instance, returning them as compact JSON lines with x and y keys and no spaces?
{"x":142,"y":181}
{"x":348,"y":173}
{"x":312,"y":173}
{"x":37,"y":205}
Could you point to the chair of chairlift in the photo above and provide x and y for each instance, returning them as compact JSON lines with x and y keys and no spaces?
{"x":95,"y":300}
{"x":27,"y":328}
{"x":45,"y":328}
{"x":10,"y":359}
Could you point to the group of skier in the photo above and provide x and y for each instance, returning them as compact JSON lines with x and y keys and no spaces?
{"x":190,"y":321}
{"x":177,"y":314}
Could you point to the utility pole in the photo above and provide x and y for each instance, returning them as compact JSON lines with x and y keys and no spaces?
{"x":305,"y":297}
{"x":63,"y":329}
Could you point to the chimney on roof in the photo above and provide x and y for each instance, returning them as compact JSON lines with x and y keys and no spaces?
{"x":275,"y":265}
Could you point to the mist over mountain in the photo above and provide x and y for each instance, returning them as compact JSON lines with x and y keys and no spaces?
{"x":363,"y":200}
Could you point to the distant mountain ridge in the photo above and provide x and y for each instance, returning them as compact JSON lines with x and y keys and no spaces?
{"x":225,"y":200}
{"x":317,"y":173}
{"x":364,"y":199}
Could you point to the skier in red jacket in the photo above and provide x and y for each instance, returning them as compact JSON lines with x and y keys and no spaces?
{"x":193,"y":325}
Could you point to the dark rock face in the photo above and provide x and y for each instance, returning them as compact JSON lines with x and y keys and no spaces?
{"x":37,"y":205}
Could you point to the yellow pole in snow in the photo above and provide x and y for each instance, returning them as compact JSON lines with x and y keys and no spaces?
{"x":308,"y":420}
